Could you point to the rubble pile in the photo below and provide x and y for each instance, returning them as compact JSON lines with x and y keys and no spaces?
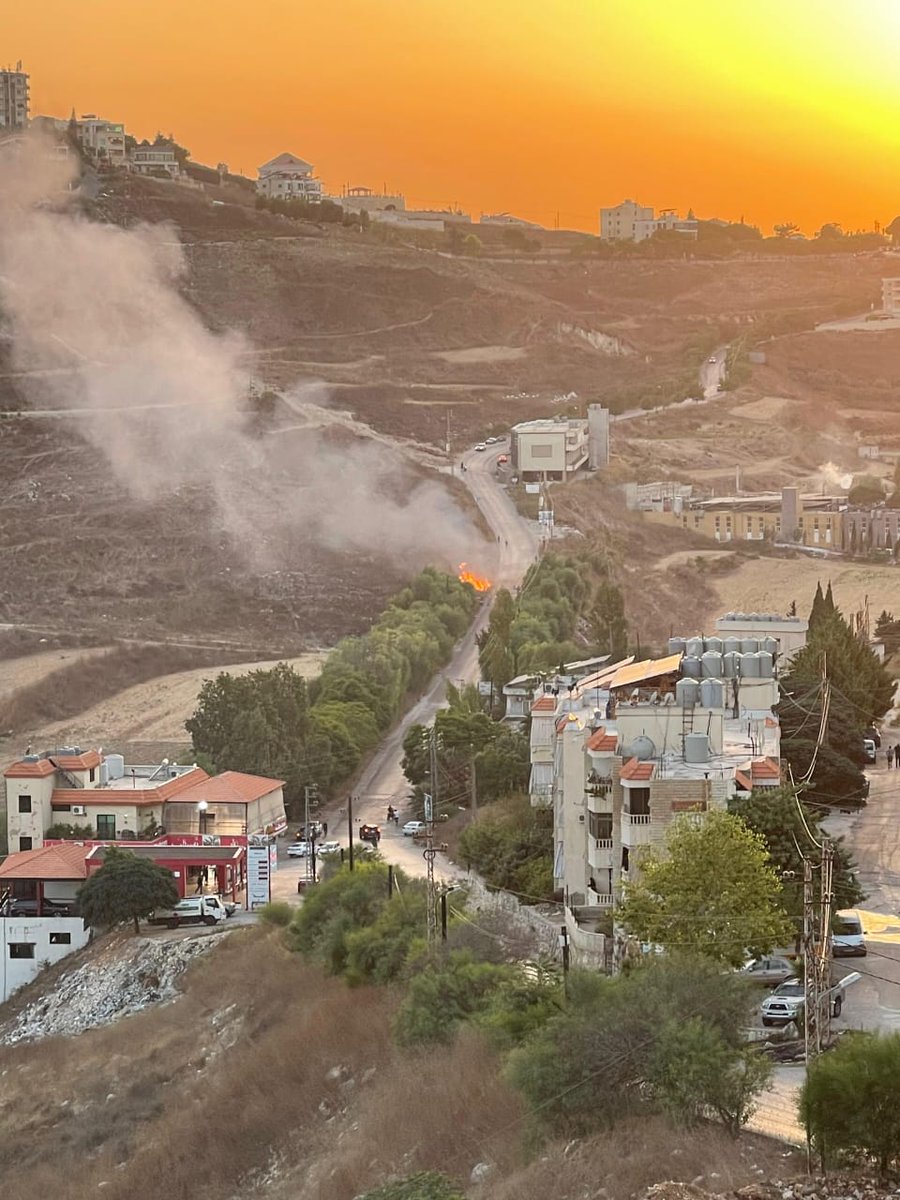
{"x":141,"y":972}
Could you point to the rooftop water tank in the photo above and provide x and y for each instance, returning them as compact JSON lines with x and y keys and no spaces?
{"x":694,"y":646}
{"x":715,"y":644}
{"x":749,"y":645}
{"x":690,"y":666}
{"x":749,"y":666}
{"x":731,"y":645}
{"x":642,"y":748}
{"x":711,"y":665}
{"x":116,"y":766}
{"x":770,"y":645}
{"x":676,"y":645}
{"x":731,"y":665}
{"x":687,"y":693}
{"x":712,"y":693}
{"x":766,"y":664}
{"x":696,"y":748}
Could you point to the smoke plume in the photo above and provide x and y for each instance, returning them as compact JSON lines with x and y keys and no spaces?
{"x":100,"y":330}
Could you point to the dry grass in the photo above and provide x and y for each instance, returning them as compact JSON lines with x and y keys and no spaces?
{"x":72,"y":689}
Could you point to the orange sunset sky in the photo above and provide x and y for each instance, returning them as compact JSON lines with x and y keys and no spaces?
{"x":772,"y":109}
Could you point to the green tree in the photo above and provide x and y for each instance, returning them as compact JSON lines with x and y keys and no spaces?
{"x":511,"y":845}
{"x":335,"y":909}
{"x":125,"y":888}
{"x":786,"y":229}
{"x":849,"y":1099}
{"x":866,"y":490}
{"x":713,"y":892}
{"x":425,"y":1185}
{"x":607,"y":620}
{"x":446,"y":994}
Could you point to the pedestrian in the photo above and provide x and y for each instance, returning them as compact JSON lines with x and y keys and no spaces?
{"x":897,"y":755}
{"x":199,"y":888}
{"x":889,"y":756}
{"x":324,"y":829}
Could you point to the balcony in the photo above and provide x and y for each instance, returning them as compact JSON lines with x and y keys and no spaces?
{"x":635,"y":829}
{"x":600,"y":853}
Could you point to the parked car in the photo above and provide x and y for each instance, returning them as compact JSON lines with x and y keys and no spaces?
{"x":413,"y":828}
{"x":847,"y":938}
{"x":786,"y":1004}
{"x":491,"y":441}
{"x":193,"y":910}
{"x":51,"y":908}
{"x":869,"y":749}
{"x":769,"y":971}
{"x":328,"y":848}
{"x":481,"y":446}
{"x":298,"y":850}
{"x":711,"y":360}
{"x":370,"y":833}
{"x":503,"y":458}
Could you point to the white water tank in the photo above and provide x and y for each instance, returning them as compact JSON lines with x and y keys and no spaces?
{"x":676,"y":645}
{"x":770,"y":645}
{"x":766,"y":664}
{"x":115,"y":764}
{"x":712,"y":693}
{"x":104,"y":773}
{"x":749,"y":645}
{"x":687,"y":693}
{"x":694,"y":647}
{"x":731,"y":645}
{"x":696,"y":748}
{"x":711,"y":665}
{"x":749,"y":666}
{"x":731,"y":665}
{"x":690,"y":666}
{"x":715,"y":644}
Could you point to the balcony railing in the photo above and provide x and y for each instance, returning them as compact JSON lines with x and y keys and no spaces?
{"x":603,"y":843}
{"x":637,"y":818}
{"x":598,"y":787}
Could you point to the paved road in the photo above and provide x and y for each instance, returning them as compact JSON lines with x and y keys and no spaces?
{"x":383,"y":782}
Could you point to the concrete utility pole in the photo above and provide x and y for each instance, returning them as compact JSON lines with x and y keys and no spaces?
{"x":429,"y":852}
{"x":310,"y":799}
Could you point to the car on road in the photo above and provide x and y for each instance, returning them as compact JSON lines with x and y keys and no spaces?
{"x":413,"y":828}
{"x":328,"y":848}
{"x":847,"y":938}
{"x":481,"y":446}
{"x":298,"y":850}
{"x":370,"y":833}
{"x":869,"y":749}
{"x":769,"y":971}
{"x":504,"y":458}
{"x":786,"y":1004}
{"x":491,"y":441}
{"x":712,"y":360}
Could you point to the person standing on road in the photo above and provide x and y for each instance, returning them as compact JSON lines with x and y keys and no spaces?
{"x":897,"y":755}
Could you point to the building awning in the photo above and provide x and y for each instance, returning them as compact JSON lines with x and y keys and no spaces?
{"x":649,"y":668}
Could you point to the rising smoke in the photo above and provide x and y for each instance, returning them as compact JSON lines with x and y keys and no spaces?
{"x":97,"y":324}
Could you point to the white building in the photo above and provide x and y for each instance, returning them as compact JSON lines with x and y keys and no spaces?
{"x":116,"y":801}
{"x":624,"y":752}
{"x":14,"y":98}
{"x":288,"y":177}
{"x":618,"y":224}
{"x":890,"y":288}
{"x":552,"y":449}
{"x":363,"y":199}
{"x":788,"y":633}
{"x":103,"y":141}
{"x":155,"y":158}
{"x":668,"y":221}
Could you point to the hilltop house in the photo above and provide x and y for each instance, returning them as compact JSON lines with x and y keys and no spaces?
{"x":288,"y":177}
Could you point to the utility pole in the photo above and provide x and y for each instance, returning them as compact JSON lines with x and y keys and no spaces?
{"x":390,"y":880}
{"x":826,"y":901}
{"x":429,"y":852}
{"x":350,"y":827}
{"x":443,"y":915}
{"x":811,"y":1044}
{"x":309,"y":799}
{"x":473,"y":785}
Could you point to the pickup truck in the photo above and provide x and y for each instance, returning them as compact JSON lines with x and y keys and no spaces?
{"x":786,"y":1003}
{"x":193,"y":910}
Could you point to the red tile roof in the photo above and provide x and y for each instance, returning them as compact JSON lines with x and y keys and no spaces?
{"x":29,"y":770}
{"x":545,"y":704}
{"x":49,"y":862}
{"x":636,"y":770}
{"x":742,"y":779}
{"x":231,"y":787}
{"x":601,"y":740}
{"x":140,"y":797}
{"x":765,"y":768}
{"x":44,"y":766}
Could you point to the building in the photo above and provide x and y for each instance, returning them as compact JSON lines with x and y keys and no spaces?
{"x":14,"y":98}
{"x":789,"y":633}
{"x":890,"y":288}
{"x":519,"y":693}
{"x":155,"y":158}
{"x":668,"y":221}
{"x":288,"y":177}
{"x":508,"y":220}
{"x":552,"y":449}
{"x":618,"y":224}
{"x":115,"y":801}
{"x":363,"y":199}
{"x":102,"y":141}
{"x":598,"y":436}
{"x":624,"y":752}
{"x":808,"y":519}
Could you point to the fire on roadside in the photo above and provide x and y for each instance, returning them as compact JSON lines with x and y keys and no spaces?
{"x":478,"y":582}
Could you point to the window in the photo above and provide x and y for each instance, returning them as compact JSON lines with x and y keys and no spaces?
{"x":600,"y":825}
{"x":25,"y":843}
{"x":542,"y":451}
{"x":106,"y":827}
{"x":24,"y":804}
{"x":638,"y":801}
{"x":93,"y":774}
{"x":21,"y":949}
{"x":60,"y":939}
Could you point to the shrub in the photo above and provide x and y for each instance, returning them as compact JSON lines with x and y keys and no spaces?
{"x":276,"y":912}
{"x":425,"y":1185}
{"x":444,"y":995}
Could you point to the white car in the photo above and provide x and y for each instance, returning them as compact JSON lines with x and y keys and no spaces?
{"x":712,"y":360}
{"x":481,"y":446}
{"x":412,"y":828}
{"x":328,"y":848}
{"x":492,"y":441}
{"x":298,"y":850}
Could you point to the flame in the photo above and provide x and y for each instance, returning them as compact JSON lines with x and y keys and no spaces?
{"x":478,"y":582}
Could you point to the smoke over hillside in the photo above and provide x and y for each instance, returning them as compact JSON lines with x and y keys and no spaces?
{"x":97,"y":323}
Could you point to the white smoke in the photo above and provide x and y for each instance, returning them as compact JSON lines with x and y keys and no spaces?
{"x":98,"y":324}
{"x":833,"y":476}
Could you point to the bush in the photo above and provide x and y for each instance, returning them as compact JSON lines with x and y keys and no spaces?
{"x":63,"y":829}
{"x":510,"y":845}
{"x":276,"y":912}
{"x":849,"y":1099}
{"x":426,"y":1185}
{"x":445,"y":995}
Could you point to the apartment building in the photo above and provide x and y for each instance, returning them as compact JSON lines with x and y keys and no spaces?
{"x":117,"y":801}
{"x":102,"y":141}
{"x":288,"y":177}
{"x":549,"y":450}
{"x":668,"y":221}
{"x":810,"y":519}
{"x":618,"y":224}
{"x":14,"y":98}
{"x":624,"y":752}
{"x":154,"y":158}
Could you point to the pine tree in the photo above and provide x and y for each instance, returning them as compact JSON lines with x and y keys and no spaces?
{"x":126,"y":888}
{"x":818,"y":607}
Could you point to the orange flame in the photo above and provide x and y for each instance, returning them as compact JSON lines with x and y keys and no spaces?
{"x":478,"y":582}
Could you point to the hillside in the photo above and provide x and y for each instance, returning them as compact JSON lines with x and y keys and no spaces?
{"x":264,"y":1078}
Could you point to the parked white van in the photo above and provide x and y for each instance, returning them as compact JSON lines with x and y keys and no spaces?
{"x":847,"y":935}
{"x":191,"y":911}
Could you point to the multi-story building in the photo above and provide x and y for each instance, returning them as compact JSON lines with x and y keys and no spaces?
{"x":288,"y":177}
{"x":789,"y":516}
{"x":624,"y":752}
{"x":102,"y":141}
{"x":549,"y":450}
{"x":14,"y":98}
{"x":618,"y":224}
{"x":154,"y":158}
{"x":668,"y":221}
{"x":890,"y":294}
{"x":116,"y":801}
